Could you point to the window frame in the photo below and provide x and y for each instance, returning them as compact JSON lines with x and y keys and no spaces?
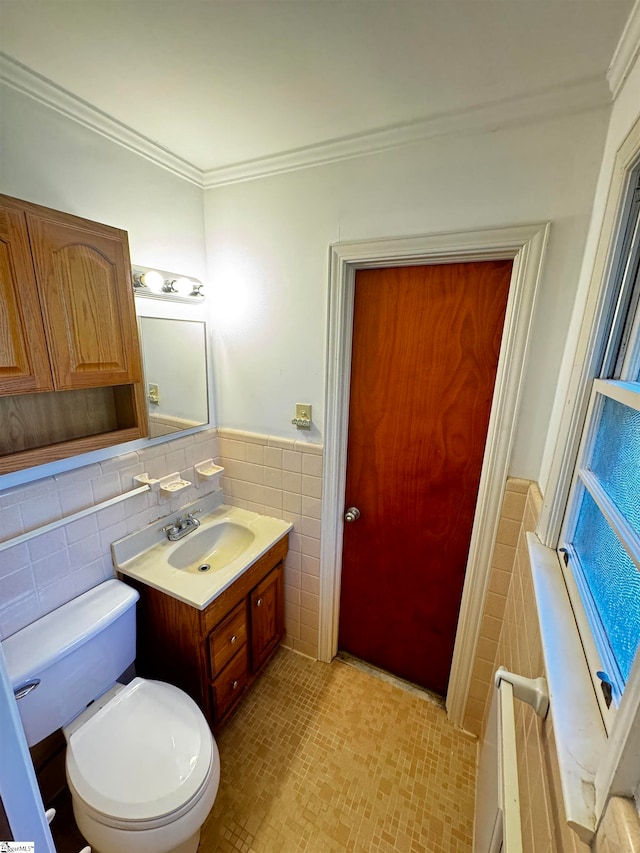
{"x":616,"y":768}
{"x":590,"y":337}
{"x":615,"y":363}
{"x":585,"y":480}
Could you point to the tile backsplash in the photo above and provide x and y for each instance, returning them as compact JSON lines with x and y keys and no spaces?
{"x":510,"y":637}
{"x":282,"y":478}
{"x":48,"y":570}
{"x":269,"y":475}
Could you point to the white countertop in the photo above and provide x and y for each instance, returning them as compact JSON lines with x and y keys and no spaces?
{"x":145,"y":555}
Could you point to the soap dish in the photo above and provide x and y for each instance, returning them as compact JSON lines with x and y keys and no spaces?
{"x":146,"y":480}
{"x":208,"y":471}
{"x":172,"y":483}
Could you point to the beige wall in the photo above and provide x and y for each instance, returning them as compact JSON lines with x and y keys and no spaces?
{"x":264,"y":474}
{"x":502,"y":564}
{"x":510,"y":637}
{"x":50,"y":569}
{"x":282,"y":478}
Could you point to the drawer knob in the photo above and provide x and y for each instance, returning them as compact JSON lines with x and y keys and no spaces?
{"x":259,"y":603}
{"x":233,"y":640}
{"x":234,"y":685}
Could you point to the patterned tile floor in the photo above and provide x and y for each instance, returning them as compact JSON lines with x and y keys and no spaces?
{"x":326,"y":757}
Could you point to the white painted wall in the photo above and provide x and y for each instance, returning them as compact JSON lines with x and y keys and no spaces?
{"x":51,"y":160}
{"x":625,"y":112}
{"x":268,"y":239}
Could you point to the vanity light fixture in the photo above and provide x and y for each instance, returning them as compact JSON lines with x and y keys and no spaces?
{"x":159,"y":284}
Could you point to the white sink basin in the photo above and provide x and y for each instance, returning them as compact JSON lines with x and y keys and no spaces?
{"x":212,"y":548}
{"x":228,"y":541}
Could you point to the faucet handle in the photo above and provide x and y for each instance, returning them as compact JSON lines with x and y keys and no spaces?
{"x":188,"y":520}
{"x":170,"y":528}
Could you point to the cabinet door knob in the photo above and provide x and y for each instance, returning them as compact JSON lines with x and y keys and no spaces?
{"x":233,"y":639}
{"x":259,"y":603}
{"x":234,"y":685}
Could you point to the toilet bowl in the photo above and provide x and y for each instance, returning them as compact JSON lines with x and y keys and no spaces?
{"x":143,"y":770}
{"x":142,"y":765}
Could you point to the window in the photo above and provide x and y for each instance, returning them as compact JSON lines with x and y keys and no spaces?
{"x":600,"y":540}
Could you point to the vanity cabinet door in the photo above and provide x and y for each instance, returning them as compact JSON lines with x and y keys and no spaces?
{"x":83,"y":275}
{"x":24,"y":362}
{"x":267,"y":617}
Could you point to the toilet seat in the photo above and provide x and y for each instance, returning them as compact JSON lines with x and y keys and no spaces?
{"x":143,"y":758}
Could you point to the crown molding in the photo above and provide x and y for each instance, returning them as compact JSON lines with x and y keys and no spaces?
{"x":589,"y":93}
{"x":34,"y":85}
{"x":626,"y":52}
{"x":586,"y":94}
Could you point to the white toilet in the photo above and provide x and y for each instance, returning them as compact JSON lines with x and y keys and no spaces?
{"x":142,"y":765}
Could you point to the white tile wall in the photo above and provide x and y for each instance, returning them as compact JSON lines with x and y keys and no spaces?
{"x":39,"y":575}
{"x":282,"y":478}
{"x":269,"y":475}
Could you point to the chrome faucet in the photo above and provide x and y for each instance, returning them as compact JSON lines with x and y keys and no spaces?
{"x":182,"y":526}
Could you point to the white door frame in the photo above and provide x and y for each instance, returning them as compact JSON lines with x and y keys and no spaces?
{"x":525,"y":244}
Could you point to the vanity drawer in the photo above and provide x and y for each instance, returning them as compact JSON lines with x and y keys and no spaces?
{"x":229,"y":686}
{"x":227,"y":638}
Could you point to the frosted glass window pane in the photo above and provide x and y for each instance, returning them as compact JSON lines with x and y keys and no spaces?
{"x":616,"y":458}
{"x":613,"y":580}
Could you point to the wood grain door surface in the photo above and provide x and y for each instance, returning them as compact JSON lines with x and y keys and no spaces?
{"x":24,"y":360}
{"x":82,"y":270}
{"x":426,"y":342}
{"x":267,"y":617}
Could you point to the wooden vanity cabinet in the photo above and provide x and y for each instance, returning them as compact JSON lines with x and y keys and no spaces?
{"x":70,"y":364}
{"x":215,"y":654}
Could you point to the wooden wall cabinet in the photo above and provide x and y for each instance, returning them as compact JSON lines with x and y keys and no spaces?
{"x":70,"y":364}
{"x":215,"y":654}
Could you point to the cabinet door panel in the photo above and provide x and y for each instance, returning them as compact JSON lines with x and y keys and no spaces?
{"x":24,"y":363}
{"x":267,"y":618}
{"x":84,"y":284}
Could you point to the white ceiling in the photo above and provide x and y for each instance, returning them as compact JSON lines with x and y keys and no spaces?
{"x":220,"y":83}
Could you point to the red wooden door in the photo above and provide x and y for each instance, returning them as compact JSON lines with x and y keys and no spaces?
{"x":426,"y":342}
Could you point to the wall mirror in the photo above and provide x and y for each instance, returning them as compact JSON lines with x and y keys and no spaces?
{"x":174,"y":353}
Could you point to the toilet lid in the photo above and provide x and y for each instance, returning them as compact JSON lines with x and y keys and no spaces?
{"x":143,"y":755}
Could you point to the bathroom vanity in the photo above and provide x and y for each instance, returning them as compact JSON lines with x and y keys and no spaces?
{"x":213,"y":645}
{"x":215,"y":654}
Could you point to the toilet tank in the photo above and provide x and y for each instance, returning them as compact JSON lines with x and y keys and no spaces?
{"x":77,"y":651}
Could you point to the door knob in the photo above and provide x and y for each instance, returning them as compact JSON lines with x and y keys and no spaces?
{"x":352,"y":514}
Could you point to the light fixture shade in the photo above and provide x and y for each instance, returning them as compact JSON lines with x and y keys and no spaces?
{"x":184,"y":286}
{"x":153,"y":280}
{"x":160,"y":284}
